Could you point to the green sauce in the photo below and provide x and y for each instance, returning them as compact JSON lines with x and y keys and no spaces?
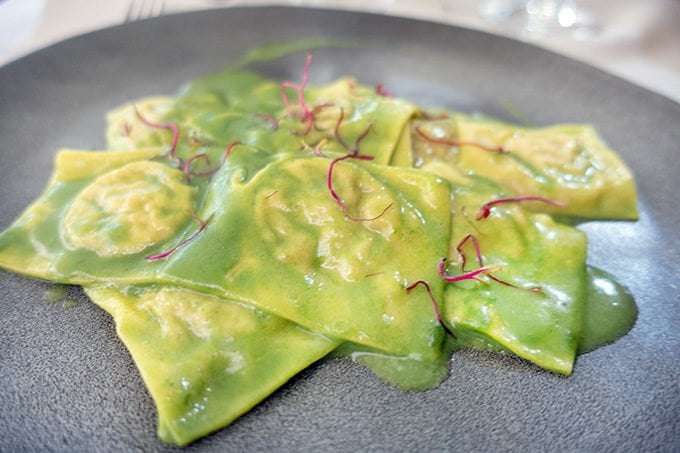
{"x":60,"y":293}
{"x":610,"y":312}
{"x":70,"y":303}
{"x":409,"y":373}
{"x":56,"y":293}
{"x":275,"y":51}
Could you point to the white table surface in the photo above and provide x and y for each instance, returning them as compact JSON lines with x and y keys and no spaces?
{"x":638,"y":40}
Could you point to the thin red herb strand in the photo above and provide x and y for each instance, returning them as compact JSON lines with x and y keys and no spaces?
{"x":189,"y":161}
{"x":457,"y":143}
{"x":226,"y":153}
{"x":317,"y":109}
{"x":471,"y":275}
{"x":357,"y":142}
{"x":435,"y":307}
{"x":284,"y":96}
{"x":169,"y":126}
{"x":478,"y":252}
{"x":268,"y":118}
{"x":338,"y":199}
{"x":299,"y":89}
{"x":382,"y":91}
{"x":126,"y":129}
{"x":480,"y":262}
{"x":485,"y":209}
{"x":228,"y":150}
{"x":167,"y":253}
{"x":353,"y":154}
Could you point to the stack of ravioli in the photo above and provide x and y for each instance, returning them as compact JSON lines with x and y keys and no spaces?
{"x":229,"y":272}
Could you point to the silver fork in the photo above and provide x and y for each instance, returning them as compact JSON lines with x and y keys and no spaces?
{"x":143,"y":9}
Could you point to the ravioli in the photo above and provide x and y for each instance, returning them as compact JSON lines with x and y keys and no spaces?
{"x":279,"y":241}
{"x":205,"y":361}
{"x":568,"y":163}
{"x":245,"y":228}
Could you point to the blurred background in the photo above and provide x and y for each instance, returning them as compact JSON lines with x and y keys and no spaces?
{"x":638,"y":40}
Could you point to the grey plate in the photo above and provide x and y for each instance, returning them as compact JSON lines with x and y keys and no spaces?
{"x":67,"y":383}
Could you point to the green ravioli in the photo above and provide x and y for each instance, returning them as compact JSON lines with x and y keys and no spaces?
{"x":204,"y":360}
{"x":237,"y":106}
{"x":275,"y":239}
{"x":536,"y":312}
{"x":568,"y":163}
{"x":278,"y":240}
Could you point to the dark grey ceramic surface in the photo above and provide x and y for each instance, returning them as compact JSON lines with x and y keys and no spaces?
{"x":67,"y":383}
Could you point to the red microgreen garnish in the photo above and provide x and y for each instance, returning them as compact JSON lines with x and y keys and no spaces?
{"x":435,"y":307}
{"x":270,"y":119}
{"x":475,"y":243}
{"x":480,"y":262}
{"x":306,"y":114}
{"x":458,"y":143}
{"x":228,"y":150}
{"x":353,"y":154}
{"x":202,"y":223}
{"x":169,"y":126}
{"x":127,"y":129}
{"x":485,"y":210}
{"x":357,"y":142}
{"x":471,"y":275}
{"x":478,"y":254}
{"x":382,"y":91}
{"x":315,"y":111}
{"x":187,"y":165}
{"x":338,"y":199}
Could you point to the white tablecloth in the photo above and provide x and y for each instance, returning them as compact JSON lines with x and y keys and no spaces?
{"x":638,"y":40}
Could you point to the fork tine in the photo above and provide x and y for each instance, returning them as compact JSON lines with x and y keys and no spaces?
{"x":160,"y":5}
{"x":144,"y":9}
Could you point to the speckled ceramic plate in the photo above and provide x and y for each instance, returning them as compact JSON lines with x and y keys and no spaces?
{"x":67,"y":383}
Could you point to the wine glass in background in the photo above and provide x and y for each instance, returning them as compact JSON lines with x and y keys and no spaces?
{"x":538,"y":17}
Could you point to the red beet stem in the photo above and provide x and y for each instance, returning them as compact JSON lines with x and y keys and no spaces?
{"x":169,"y":126}
{"x":435,"y":307}
{"x":228,"y":150}
{"x":471,"y":275}
{"x":357,"y":142}
{"x":189,"y":161}
{"x":167,"y":253}
{"x":457,"y":143}
{"x":268,"y":118}
{"x":480,"y":262}
{"x":382,"y":91}
{"x":338,"y":199}
{"x":306,"y":115}
{"x":485,"y":209}
{"x":475,"y":243}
